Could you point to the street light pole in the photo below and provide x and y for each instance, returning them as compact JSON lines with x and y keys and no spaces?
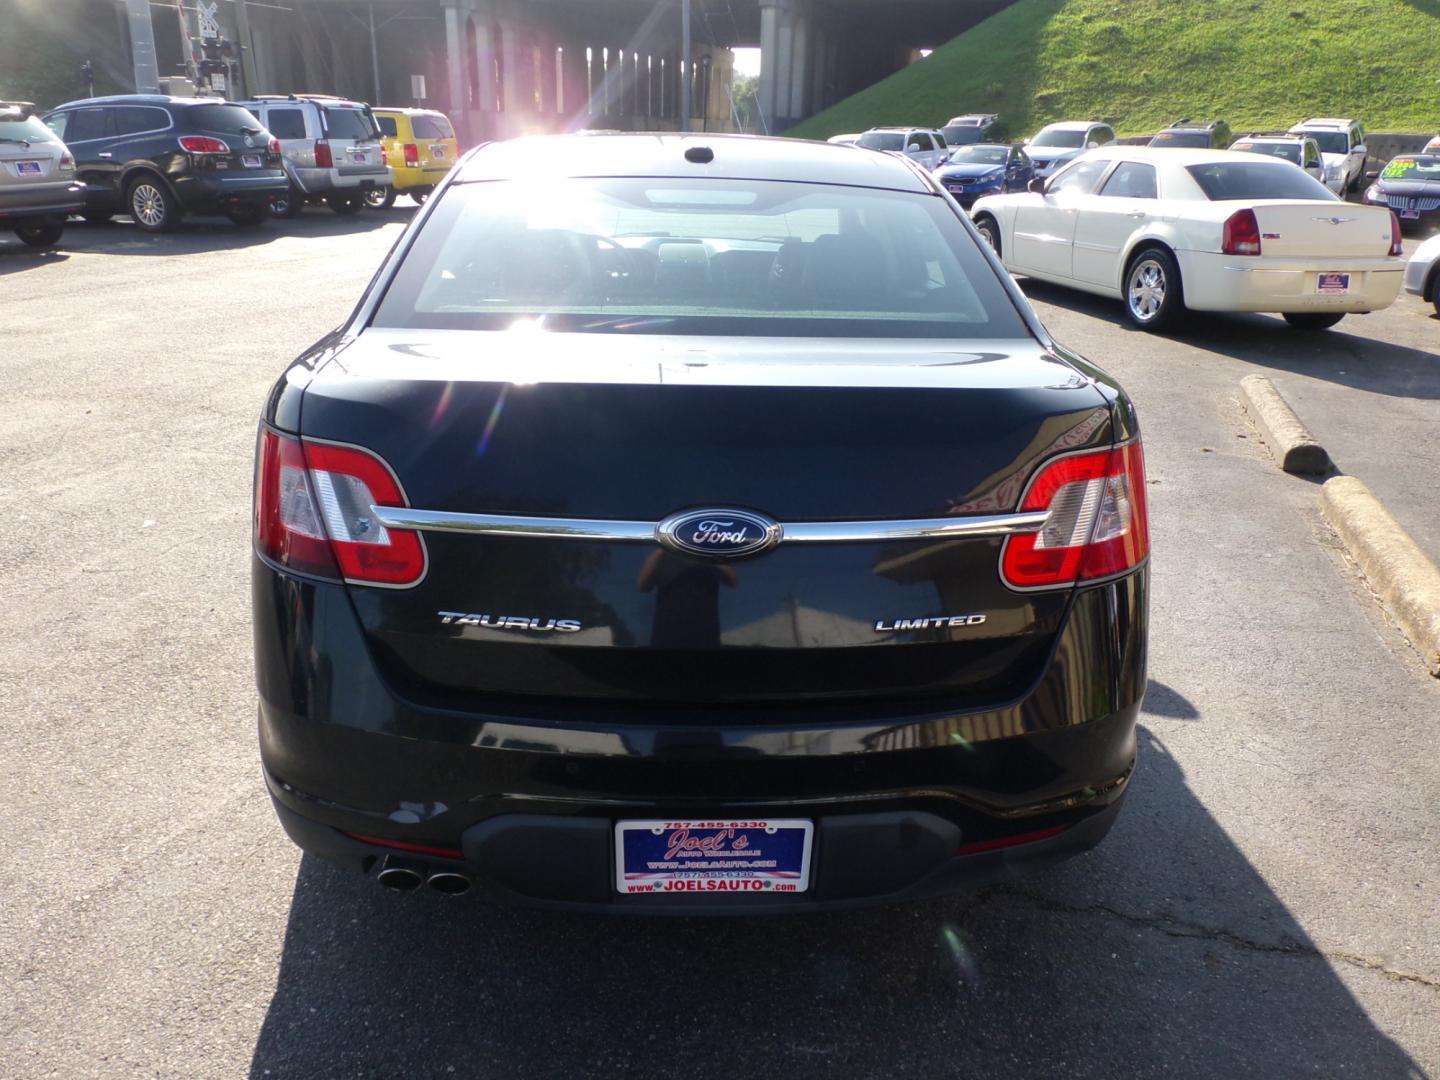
{"x":374,"y":57}
{"x":685,"y":65}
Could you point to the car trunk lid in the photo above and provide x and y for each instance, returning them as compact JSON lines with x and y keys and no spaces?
{"x":1305,"y":229}
{"x":616,"y":428}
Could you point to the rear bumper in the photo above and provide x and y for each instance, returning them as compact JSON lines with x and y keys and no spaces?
{"x":407,"y":177}
{"x":201,"y":193}
{"x":1214,"y":282}
{"x":42,"y":201}
{"x":900,"y":798}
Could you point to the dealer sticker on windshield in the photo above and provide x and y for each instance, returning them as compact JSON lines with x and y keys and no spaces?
{"x":1332,"y":284}
{"x":741,"y":856}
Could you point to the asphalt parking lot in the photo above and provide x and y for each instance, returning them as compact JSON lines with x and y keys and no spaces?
{"x":1266,"y":905}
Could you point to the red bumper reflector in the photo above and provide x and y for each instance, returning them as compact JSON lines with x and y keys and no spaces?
{"x":1010,"y":841}
{"x":405,"y":845}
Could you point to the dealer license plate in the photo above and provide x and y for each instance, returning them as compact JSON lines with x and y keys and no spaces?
{"x":713,"y":856}
{"x":358,"y":157}
{"x":27,"y":168}
{"x":1332,"y":284}
{"x":1410,"y":215}
{"x":438,"y":152}
{"x":252,"y":161}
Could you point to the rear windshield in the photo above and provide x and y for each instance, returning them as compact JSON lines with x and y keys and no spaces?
{"x":432,"y":127}
{"x":1289,"y":151}
{"x":1223,"y":181}
{"x":1181,"y":139}
{"x":29,"y":130}
{"x":883,"y":140}
{"x":222,"y":119}
{"x":1066,"y":139}
{"x":1418,"y":167}
{"x":963,"y":134}
{"x":697,"y":256}
{"x":348,"y":124}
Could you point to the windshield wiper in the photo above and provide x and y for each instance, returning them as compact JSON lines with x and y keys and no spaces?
{"x":18,"y":142}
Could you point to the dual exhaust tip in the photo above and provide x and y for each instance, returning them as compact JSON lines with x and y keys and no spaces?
{"x":405,"y":875}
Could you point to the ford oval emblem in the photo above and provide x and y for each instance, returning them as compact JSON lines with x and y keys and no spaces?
{"x":718,"y":533}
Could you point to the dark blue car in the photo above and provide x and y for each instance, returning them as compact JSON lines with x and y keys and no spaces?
{"x":985,"y":169}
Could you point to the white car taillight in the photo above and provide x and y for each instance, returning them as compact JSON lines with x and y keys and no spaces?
{"x":314,"y":513}
{"x":1097,"y":525}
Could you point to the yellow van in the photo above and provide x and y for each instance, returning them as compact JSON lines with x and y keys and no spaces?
{"x":421,"y":147}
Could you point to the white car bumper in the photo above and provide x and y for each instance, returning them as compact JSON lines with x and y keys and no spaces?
{"x":1215,"y":282}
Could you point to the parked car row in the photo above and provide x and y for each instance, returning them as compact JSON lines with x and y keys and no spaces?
{"x":158,"y":158}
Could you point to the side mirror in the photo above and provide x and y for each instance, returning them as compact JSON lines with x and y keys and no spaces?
{"x":1373,"y":174}
{"x":1360,"y":148}
{"x":1036,"y":185}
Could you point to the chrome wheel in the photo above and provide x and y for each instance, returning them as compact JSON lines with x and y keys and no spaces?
{"x":147,"y":205}
{"x":1146,"y":289}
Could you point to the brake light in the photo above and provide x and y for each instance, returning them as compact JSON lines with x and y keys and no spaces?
{"x":384,"y":156}
{"x":323,"y":158}
{"x":313,"y":513}
{"x":1241,"y":235}
{"x":1097,"y":525}
{"x":412,"y":154}
{"x":274,"y":145}
{"x":67,"y":162}
{"x":1397,"y":241}
{"x":203,"y":144}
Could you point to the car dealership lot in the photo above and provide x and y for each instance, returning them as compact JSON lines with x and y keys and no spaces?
{"x":1266,"y":904}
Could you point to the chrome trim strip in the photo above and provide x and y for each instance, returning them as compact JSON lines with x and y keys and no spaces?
{"x":804,"y":532}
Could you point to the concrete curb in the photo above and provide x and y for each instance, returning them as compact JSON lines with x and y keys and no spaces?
{"x":1295,"y":449}
{"x":1407,"y":581}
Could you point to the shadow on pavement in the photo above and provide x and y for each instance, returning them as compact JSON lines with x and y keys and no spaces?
{"x":16,"y":256}
{"x":198,"y":234}
{"x":1343,"y":355}
{"x":1161,"y":953}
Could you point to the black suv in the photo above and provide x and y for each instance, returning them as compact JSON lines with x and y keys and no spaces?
{"x":1190,"y":134}
{"x":157,"y":158}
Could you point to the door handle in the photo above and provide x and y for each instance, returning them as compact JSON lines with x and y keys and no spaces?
{"x":105,"y":155}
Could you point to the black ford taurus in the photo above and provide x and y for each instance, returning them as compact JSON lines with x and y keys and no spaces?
{"x":699,"y":524}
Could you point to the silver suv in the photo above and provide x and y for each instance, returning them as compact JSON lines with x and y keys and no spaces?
{"x":331,"y":148}
{"x":38,"y":188}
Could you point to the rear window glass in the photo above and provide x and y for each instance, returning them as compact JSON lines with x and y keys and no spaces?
{"x":963,"y":136}
{"x":387,"y":126}
{"x":695,"y":256}
{"x":1289,"y":151}
{"x":1222,"y":181}
{"x":432,"y":127}
{"x":883,"y":140}
{"x":286,"y":123}
{"x":222,"y":119}
{"x":28,"y":130}
{"x":1063,"y":139}
{"x":1181,"y":139}
{"x":348,"y":124}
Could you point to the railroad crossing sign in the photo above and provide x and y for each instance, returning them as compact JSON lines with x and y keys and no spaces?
{"x":209,"y":23}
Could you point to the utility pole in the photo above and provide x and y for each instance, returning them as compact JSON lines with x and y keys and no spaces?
{"x":374,"y":56}
{"x":685,"y":65}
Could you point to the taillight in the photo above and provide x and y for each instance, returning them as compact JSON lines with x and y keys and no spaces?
{"x":203,"y":144}
{"x":1241,"y":235}
{"x":313,"y":513}
{"x":67,"y":162}
{"x":1096,"y":524}
{"x":1397,"y":241}
{"x":323,"y":158}
{"x":274,"y":145}
{"x":412,"y":154}
{"x":384,"y":156}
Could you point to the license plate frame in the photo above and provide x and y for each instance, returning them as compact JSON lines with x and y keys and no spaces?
{"x":1409,"y":215}
{"x":438,"y":152}
{"x":1332,"y":283}
{"x":29,"y":168}
{"x":251,"y":161}
{"x":359,"y":157}
{"x":701,"y":856}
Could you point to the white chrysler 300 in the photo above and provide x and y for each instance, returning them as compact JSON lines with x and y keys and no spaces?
{"x":1203,"y":230}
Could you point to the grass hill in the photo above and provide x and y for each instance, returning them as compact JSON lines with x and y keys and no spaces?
{"x":1141,"y":64}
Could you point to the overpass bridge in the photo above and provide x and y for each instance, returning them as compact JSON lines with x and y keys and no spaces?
{"x":507,"y":67}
